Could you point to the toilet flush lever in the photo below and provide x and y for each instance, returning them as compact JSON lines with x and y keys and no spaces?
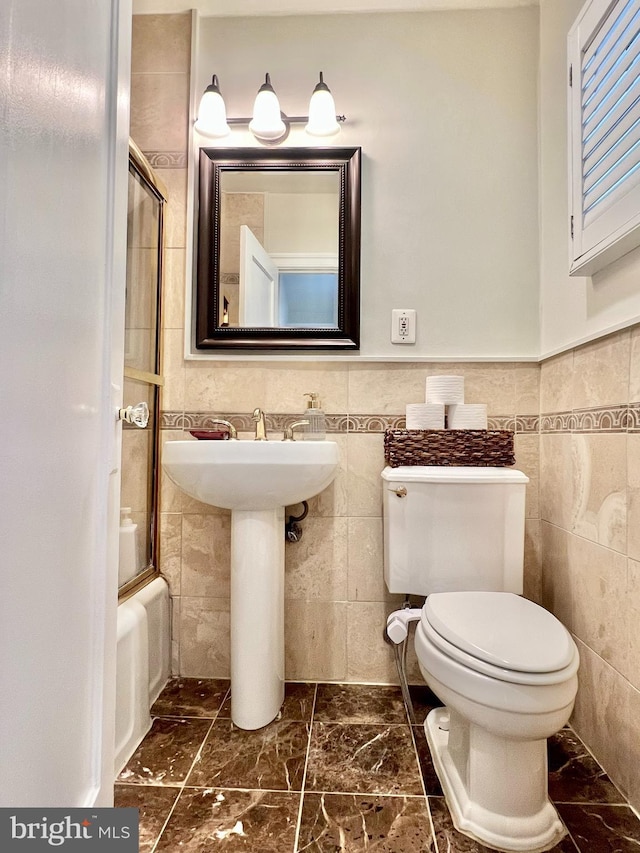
{"x":400,"y":491}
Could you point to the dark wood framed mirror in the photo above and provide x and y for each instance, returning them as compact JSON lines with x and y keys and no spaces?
{"x":278,"y":251}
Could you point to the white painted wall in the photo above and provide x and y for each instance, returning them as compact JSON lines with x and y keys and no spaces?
{"x":301,"y":222}
{"x":63,"y":169}
{"x":574,"y":309}
{"x":444,"y":106}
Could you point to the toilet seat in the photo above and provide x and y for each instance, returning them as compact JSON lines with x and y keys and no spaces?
{"x":501,"y":635}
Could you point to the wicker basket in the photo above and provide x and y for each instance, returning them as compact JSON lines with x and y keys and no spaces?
{"x":479,"y":447}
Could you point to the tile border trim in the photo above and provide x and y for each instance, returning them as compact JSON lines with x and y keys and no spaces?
{"x":336,"y":423}
{"x":599,"y":419}
{"x":167,"y":159}
{"x":230,"y":278}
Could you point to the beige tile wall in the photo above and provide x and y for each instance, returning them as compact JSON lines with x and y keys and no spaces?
{"x":160,"y":75}
{"x":590,"y":518}
{"x":236,"y":209}
{"x":336,"y":601}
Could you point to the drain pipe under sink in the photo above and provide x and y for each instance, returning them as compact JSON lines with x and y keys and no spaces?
{"x":396,"y":633}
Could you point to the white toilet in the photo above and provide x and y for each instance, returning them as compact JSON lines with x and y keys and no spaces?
{"x":505,"y":668}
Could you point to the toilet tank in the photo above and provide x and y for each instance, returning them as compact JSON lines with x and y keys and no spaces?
{"x":453,"y":528}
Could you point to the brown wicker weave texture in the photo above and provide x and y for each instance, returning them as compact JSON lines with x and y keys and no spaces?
{"x":479,"y":447}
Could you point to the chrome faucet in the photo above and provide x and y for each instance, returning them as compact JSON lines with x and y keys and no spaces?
{"x":288,"y":430}
{"x":261,"y":430}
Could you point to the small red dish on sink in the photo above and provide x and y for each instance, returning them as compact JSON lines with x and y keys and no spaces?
{"x":210,"y":434}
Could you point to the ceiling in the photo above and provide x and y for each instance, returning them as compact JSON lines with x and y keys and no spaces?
{"x":239,"y":8}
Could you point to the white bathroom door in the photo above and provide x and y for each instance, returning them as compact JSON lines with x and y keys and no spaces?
{"x":258,"y":282}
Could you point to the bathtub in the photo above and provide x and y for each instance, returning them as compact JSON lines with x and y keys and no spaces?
{"x":142,"y":664}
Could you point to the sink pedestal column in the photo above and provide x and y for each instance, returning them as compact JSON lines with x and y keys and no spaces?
{"x":257,"y":616}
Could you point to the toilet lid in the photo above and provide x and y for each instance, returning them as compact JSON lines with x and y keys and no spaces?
{"x":501,"y":629}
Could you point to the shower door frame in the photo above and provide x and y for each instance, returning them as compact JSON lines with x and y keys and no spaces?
{"x":140,"y":167}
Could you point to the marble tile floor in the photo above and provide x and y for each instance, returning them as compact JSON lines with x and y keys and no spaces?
{"x":340,"y":771}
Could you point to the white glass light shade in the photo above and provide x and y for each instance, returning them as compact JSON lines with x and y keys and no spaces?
{"x":212,"y":113}
{"x":267,"y":121}
{"x":322,"y":112}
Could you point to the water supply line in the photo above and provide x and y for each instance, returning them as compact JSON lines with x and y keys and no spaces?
{"x":292,"y":529}
{"x":396,"y":633}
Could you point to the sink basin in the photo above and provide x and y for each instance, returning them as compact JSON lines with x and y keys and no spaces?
{"x":251,"y":475}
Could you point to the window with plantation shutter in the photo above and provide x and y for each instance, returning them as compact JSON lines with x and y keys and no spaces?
{"x":604,"y":133}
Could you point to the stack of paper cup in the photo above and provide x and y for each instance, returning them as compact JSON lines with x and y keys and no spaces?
{"x":445,"y":389}
{"x":467,"y":416}
{"x":425,"y":415}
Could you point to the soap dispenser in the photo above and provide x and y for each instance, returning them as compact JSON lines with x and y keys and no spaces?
{"x":316,"y":431}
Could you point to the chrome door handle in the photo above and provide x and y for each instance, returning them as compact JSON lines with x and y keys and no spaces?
{"x":137,"y":415}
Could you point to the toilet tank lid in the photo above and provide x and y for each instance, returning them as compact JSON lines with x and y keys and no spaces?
{"x":502,"y":629}
{"x":453,"y":474}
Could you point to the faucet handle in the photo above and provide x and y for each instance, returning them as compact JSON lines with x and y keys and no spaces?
{"x":288,"y":430}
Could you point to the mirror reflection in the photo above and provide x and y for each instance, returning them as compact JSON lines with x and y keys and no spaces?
{"x":279,"y":249}
{"x":278,"y":252}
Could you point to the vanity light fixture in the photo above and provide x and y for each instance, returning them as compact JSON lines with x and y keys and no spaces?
{"x":323,"y":120}
{"x":268,"y":123}
{"x":212,"y":113}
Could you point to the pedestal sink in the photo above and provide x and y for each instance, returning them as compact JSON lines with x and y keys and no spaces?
{"x":255,"y":480}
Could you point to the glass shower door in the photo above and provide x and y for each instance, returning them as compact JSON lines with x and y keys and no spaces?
{"x":142,"y":377}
